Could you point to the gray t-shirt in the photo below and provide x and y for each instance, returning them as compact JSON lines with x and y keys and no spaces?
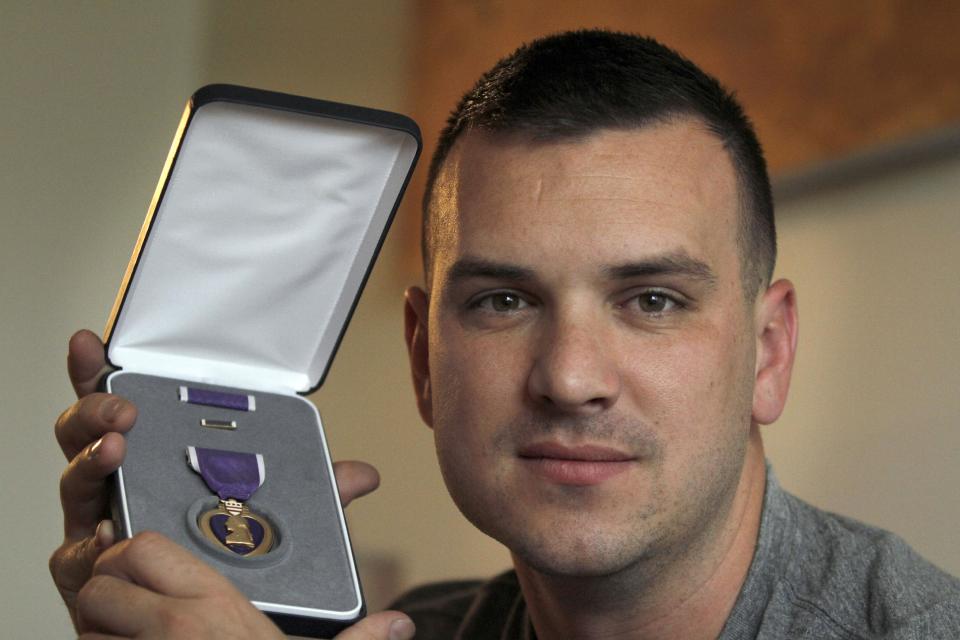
{"x":814,"y":575}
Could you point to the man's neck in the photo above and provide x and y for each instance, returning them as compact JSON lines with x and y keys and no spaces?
{"x":690,"y":598}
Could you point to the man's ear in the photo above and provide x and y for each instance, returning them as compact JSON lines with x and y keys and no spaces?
{"x":416,"y":310}
{"x":777,"y":328}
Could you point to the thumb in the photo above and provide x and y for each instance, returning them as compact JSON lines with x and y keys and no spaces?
{"x":386,"y":625}
{"x":85,"y":362}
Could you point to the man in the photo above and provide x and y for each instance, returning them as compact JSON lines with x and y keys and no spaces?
{"x":596,"y":346}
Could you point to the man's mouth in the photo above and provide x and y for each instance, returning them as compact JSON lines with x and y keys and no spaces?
{"x":578,"y":465}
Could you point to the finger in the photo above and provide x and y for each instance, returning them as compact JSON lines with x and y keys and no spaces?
{"x":83,"y":492}
{"x":386,"y":625}
{"x":156,"y":563}
{"x":91,"y":417}
{"x":355,"y":479}
{"x":85,"y":362}
{"x":107,"y":604}
{"x":72,"y":564}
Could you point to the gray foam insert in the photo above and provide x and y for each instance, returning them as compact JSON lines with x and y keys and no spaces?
{"x":311,"y":567}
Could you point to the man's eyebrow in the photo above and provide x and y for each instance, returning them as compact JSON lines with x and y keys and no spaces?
{"x":478,"y":268}
{"x":677,"y":263}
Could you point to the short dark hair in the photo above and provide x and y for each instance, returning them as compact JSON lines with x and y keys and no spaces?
{"x":572,"y":84}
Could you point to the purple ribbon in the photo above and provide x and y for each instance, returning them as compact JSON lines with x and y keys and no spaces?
{"x":229,"y":474}
{"x":222,"y":399}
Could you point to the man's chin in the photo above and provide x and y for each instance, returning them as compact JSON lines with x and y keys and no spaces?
{"x":578,"y":569}
{"x":583,"y":558}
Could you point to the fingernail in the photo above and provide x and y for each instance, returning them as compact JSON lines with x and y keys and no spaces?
{"x":104,"y":535}
{"x":402,"y":629}
{"x":110,"y":408}
{"x":94,"y":450}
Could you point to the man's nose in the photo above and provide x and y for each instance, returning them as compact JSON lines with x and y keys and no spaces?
{"x":575,"y":369}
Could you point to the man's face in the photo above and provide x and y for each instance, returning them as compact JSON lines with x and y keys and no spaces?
{"x":591,"y":356}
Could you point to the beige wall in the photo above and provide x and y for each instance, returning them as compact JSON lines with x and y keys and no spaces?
{"x":873,"y":426}
{"x":92,"y":93}
{"x":90,"y":97}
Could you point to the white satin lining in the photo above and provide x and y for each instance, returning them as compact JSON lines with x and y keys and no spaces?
{"x":265,"y":231}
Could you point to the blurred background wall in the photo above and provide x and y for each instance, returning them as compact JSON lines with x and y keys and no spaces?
{"x":92,"y":94}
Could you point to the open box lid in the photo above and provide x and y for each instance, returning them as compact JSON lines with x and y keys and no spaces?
{"x":264,"y":226}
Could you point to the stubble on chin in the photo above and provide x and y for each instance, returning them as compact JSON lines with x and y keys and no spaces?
{"x":638,"y":528}
{"x":561,"y":529}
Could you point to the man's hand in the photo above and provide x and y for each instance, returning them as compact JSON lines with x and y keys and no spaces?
{"x":90,"y":434}
{"x":149,"y":587}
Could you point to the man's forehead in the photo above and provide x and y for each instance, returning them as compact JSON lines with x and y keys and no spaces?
{"x":662,"y":177}
{"x":679,"y":149}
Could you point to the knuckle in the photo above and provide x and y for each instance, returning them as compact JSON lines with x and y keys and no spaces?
{"x":363,"y":632}
{"x":143,"y":546}
{"x":132,"y":553}
{"x":71,"y":481}
{"x":99,"y":564}
{"x":56,"y":562}
{"x":92,"y":592}
{"x":87,"y":407}
{"x":147,"y":540}
{"x":180,"y":622}
{"x":66,"y":482}
{"x":70,"y":565}
{"x":64,"y":419}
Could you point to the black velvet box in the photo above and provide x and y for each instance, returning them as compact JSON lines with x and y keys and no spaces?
{"x":267,"y":219}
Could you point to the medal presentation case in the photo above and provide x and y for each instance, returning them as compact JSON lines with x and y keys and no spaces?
{"x":267,"y":219}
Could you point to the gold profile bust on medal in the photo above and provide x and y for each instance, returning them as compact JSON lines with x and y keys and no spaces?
{"x":234,"y":476}
{"x":235,"y":528}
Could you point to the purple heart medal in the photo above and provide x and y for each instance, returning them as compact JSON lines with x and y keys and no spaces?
{"x":234,"y":477}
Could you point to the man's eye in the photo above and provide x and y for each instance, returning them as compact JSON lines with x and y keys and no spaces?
{"x":655,"y":302}
{"x":501,"y":302}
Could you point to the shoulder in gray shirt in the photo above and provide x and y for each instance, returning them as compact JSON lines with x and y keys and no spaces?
{"x":818,"y":575}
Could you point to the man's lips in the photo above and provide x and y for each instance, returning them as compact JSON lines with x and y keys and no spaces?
{"x":580,"y":453}
{"x":580,"y":465}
